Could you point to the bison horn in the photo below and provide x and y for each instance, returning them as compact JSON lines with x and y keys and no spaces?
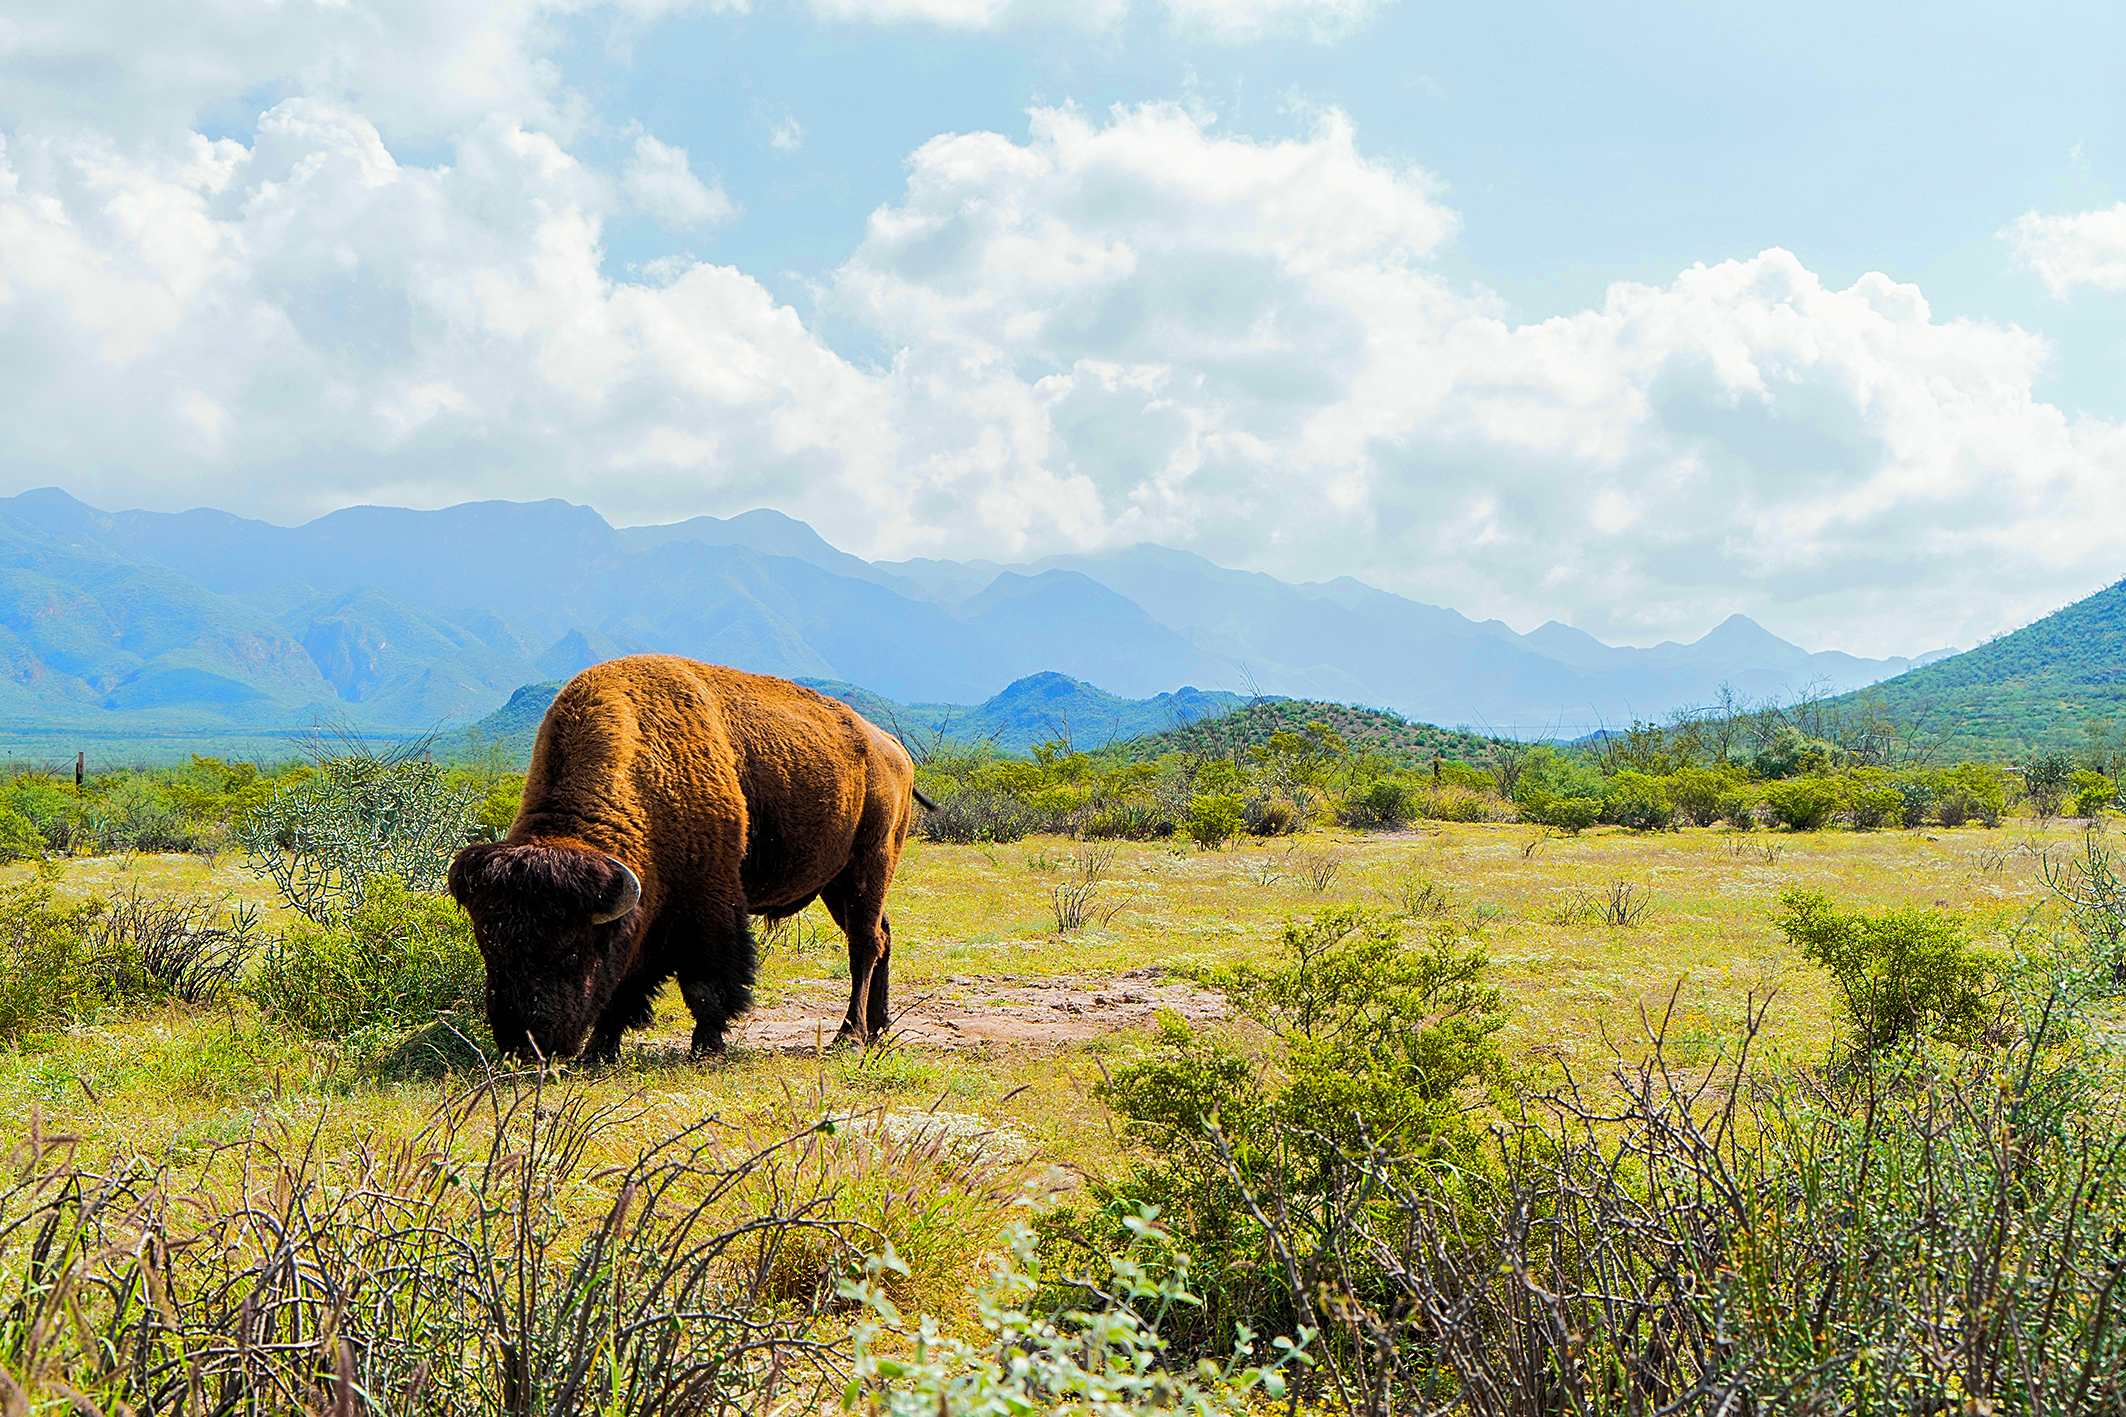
{"x":625,"y":898}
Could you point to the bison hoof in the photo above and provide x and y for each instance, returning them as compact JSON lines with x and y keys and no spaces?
{"x":707,"y":1044}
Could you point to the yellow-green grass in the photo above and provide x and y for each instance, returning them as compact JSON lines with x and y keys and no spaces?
{"x":177,"y":1078}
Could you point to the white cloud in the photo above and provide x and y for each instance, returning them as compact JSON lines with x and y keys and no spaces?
{"x":786,"y":135}
{"x":658,"y":179}
{"x":1235,"y":21}
{"x":2085,"y":248}
{"x":1119,"y":327}
{"x":1241,"y":346}
{"x":1223,"y":21}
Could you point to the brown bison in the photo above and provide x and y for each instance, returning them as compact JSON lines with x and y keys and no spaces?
{"x":667,"y":801}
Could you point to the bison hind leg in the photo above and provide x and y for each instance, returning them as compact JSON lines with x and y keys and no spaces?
{"x":722,"y":990}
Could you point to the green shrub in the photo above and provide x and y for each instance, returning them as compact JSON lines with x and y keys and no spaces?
{"x":1130,"y":821}
{"x":1915,"y":799}
{"x":393,"y":963}
{"x":1571,"y":814}
{"x":1375,"y":1042}
{"x":1385,"y":803}
{"x":1804,"y":803}
{"x":1109,"y":1360}
{"x":1453,"y":802}
{"x":978,"y":814}
{"x":19,"y":838}
{"x":1214,"y":819}
{"x":1463,"y":775}
{"x":1270,"y":816}
{"x":2046,"y":783}
{"x":1790,"y":753}
{"x":47,"y":975}
{"x":1954,"y":808}
{"x":356,"y":823}
{"x":1983,"y":790}
{"x":1738,"y":807}
{"x":2094,"y":794}
{"x":1900,"y":973}
{"x":1873,"y":804}
{"x":1695,"y":792}
{"x":1639,"y":802}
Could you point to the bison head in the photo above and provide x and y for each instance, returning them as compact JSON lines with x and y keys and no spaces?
{"x":552,"y":922}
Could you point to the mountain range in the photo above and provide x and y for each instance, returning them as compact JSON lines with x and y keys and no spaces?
{"x":392,"y":619}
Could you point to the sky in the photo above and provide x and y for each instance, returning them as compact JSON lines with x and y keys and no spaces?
{"x":1631,"y":316}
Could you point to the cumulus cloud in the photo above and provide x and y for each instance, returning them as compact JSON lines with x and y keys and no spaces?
{"x":2084,"y":248}
{"x":1241,"y":346}
{"x":1224,"y":21}
{"x":659,"y":180}
{"x":1115,"y":327}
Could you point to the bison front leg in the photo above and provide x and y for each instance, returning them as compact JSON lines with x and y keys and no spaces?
{"x":718,"y":985}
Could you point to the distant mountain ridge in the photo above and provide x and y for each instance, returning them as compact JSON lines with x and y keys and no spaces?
{"x":1040,"y":708}
{"x":391,"y":619}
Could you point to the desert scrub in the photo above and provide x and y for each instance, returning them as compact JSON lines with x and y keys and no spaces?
{"x":1900,"y":973}
{"x":1374,"y":1043}
{"x":47,"y":974}
{"x":392,"y":964}
{"x":1107,"y":1358}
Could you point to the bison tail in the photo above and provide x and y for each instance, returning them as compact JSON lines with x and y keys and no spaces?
{"x":927,"y":803}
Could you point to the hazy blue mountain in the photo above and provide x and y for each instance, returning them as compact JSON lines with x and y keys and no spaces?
{"x":395,"y":619}
{"x":1037,"y":709}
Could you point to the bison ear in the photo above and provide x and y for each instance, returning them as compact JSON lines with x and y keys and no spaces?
{"x":468,"y":868}
{"x":625,"y":895}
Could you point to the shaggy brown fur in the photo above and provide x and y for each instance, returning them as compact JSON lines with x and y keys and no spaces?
{"x":728,"y":795}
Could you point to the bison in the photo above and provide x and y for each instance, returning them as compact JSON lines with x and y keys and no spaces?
{"x":667,"y":801}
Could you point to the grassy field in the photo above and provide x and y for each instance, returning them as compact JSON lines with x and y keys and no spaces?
{"x":971,"y":923}
{"x":985,"y":1093}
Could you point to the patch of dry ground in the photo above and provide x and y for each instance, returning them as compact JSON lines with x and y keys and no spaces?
{"x":972,"y":1011}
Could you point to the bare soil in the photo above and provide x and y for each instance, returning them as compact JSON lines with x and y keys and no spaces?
{"x":974,"y":1011}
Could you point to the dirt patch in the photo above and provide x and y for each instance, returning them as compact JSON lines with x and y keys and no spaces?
{"x":972,"y":1011}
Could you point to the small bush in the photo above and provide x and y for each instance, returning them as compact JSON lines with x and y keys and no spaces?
{"x":395,"y":962}
{"x":1109,"y":1359}
{"x":1384,"y":804}
{"x":1915,"y":798}
{"x":1569,"y":814}
{"x":1270,"y":816}
{"x":1803,"y":804}
{"x":1955,"y":809}
{"x":1214,"y":819}
{"x":357,"y":823}
{"x":1376,"y":1041}
{"x":46,"y":972}
{"x":1874,"y":804}
{"x":1738,"y":807}
{"x":19,"y":838}
{"x":1639,"y":803}
{"x":1696,"y":792}
{"x":1900,"y":973}
{"x":1455,"y":802}
{"x":2094,"y":794}
{"x":978,"y":814}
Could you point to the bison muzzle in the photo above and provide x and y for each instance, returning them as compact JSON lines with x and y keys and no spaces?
{"x":668,"y":802}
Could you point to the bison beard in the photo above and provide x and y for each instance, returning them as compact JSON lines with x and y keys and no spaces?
{"x":667,"y":802}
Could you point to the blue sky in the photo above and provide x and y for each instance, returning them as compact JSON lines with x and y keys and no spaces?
{"x":1629,"y":316}
{"x":1583,"y":144}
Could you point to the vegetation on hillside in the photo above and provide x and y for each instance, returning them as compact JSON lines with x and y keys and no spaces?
{"x":2058,"y":685}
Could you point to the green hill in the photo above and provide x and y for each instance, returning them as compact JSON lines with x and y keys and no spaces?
{"x":2039,"y":689}
{"x":1362,"y":729}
